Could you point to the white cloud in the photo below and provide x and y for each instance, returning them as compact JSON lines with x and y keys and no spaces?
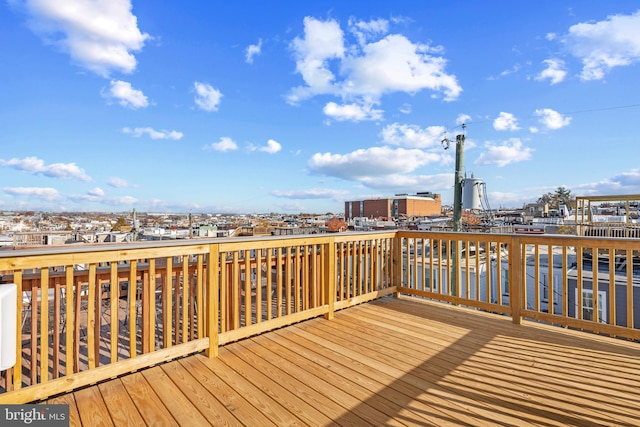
{"x":551,"y":119}
{"x":510,"y":151}
{"x":121,"y":201}
{"x":412,"y":136}
{"x":603,"y":45}
{"x":506,"y":121}
{"x":623,"y":183}
{"x":555,"y":71}
{"x":253,"y":50}
{"x":322,"y":41}
{"x":94,"y":195}
{"x":43,"y":193}
{"x":405,"y":183}
{"x":225,"y":144}
{"x":272,"y":147}
{"x":98,"y":192}
{"x":35,"y":165}
{"x":118,"y":182}
{"x":395,"y":64}
{"x":405,"y":108}
{"x":462,"y":119}
{"x":367,"y":30}
{"x":551,"y":36}
{"x":368,"y":70}
{"x":207,"y":97}
{"x":365,"y":163}
{"x":352,"y":112}
{"x":153,"y":134}
{"x":99,"y":35}
{"x":126,"y":95}
{"x":312,"y":193}
{"x":511,"y":70}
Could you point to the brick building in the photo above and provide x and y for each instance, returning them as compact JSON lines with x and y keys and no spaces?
{"x":401,"y":205}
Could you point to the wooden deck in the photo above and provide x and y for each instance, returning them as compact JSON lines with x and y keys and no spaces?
{"x":389,"y":362}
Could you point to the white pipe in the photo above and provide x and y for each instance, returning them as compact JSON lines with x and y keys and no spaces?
{"x":8,"y":311}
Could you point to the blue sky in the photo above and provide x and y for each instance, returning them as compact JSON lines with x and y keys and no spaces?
{"x":293,"y":106}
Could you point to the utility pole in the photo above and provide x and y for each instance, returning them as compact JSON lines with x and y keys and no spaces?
{"x":457,"y":206}
{"x":457,"y":185}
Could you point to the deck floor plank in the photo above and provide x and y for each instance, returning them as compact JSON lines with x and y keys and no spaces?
{"x":205,"y":372}
{"x":563,"y":386}
{"x":379,"y":382}
{"x":152,"y":409}
{"x":201,"y":398}
{"x":92,"y":407}
{"x":177,"y":403}
{"x":280,"y":369}
{"x":394,"y":361}
{"x":408,"y":372}
{"x":520,"y":401}
{"x":410,"y":389}
{"x":69,"y":400}
{"x":261,"y":374}
{"x":319,"y":379}
{"x":123,"y":410}
{"x":252,"y":394}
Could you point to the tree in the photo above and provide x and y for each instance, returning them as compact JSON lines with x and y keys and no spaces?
{"x":120,"y":222}
{"x":562,"y":196}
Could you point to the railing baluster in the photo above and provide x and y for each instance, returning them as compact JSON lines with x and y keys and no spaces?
{"x":184,"y":303}
{"x":17,"y":371}
{"x":133,"y":303}
{"x":630,"y":291}
{"x":612,"y":287}
{"x":200,"y":315}
{"x":92,"y":353}
{"x":167,"y":305}
{"x":114,"y":287}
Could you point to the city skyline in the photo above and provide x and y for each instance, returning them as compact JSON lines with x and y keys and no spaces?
{"x":289,"y":107}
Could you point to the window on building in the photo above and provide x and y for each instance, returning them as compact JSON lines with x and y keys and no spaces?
{"x":587,"y":305}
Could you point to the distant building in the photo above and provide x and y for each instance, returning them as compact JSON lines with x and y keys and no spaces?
{"x":41,"y":238}
{"x":401,"y":205}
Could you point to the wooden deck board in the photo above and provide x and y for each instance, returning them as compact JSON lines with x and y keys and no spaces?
{"x":435,"y":368}
{"x":92,"y":407}
{"x":246,"y":413}
{"x":173,"y":399}
{"x":147,"y":401}
{"x":389,"y":362}
{"x":121,"y":407}
{"x":68,"y":399}
{"x":300,"y":385}
{"x":263,"y":378}
{"x":200,"y":397}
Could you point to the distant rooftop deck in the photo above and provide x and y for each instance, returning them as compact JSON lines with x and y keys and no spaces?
{"x":394,"y":361}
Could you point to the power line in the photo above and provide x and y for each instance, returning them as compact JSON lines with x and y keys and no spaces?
{"x":592,"y":110}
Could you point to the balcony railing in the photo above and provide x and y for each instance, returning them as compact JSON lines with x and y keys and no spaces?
{"x":85,"y":314}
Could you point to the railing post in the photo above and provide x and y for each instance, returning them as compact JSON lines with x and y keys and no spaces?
{"x":396,"y":264}
{"x":330,"y":277}
{"x":213,"y":306}
{"x":516,"y":285}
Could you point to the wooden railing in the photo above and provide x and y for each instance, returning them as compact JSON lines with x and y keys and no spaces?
{"x":539,"y":277}
{"x":91,"y":313}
